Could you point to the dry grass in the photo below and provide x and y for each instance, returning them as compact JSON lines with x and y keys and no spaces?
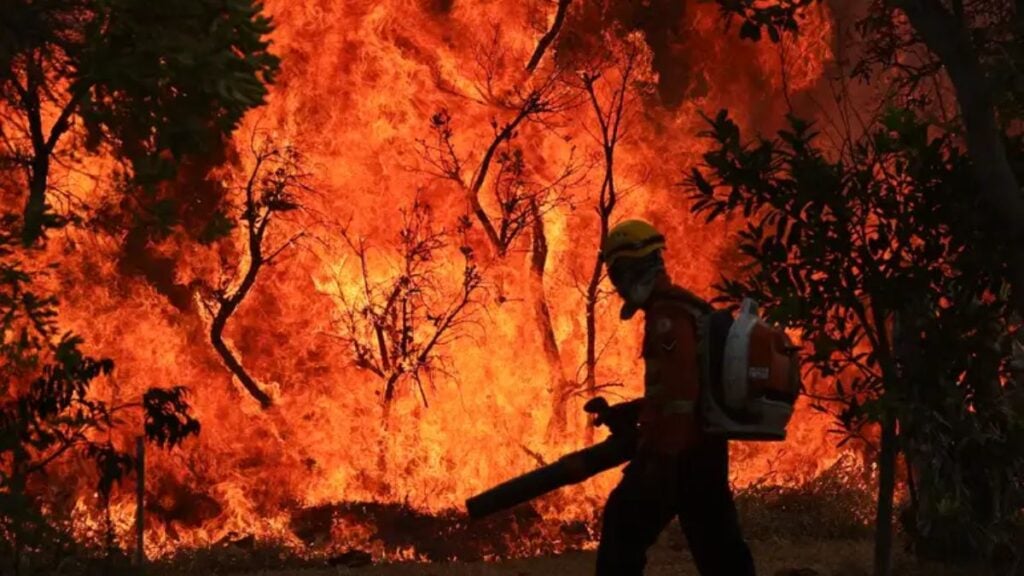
{"x":820,"y":527}
{"x":825,"y":558}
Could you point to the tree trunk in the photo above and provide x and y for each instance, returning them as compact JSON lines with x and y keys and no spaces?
{"x":233,"y":364}
{"x":43,"y":144}
{"x":35,"y":206}
{"x":228,"y":305}
{"x":886,"y":490}
{"x":907,"y":327}
{"x":562,"y":388}
{"x":549,"y":36}
{"x":950,"y":41}
{"x":889,"y":327}
{"x":590,"y":378}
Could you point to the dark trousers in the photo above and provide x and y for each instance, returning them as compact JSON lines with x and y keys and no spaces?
{"x":696,"y":490}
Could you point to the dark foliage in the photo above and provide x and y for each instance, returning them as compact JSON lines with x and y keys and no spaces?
{"x":958,"y":65}
{"x":879,"y":258}
{"x":167,"y":419}
{"x":152,"y":81}
{"x":47,"y":411}
{"x":773,"y":19}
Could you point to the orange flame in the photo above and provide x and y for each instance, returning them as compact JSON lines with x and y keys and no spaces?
{"x":360,"y":83}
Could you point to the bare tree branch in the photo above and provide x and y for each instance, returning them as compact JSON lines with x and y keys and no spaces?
{"x":270,"y":189}
{"x":501,"y":163}
{"x":549,"y":36}
{"x":398,"y":330}
{"x":610,"y":121}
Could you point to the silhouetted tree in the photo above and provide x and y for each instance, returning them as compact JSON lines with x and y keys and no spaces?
{"x":612,"y":96}
{"x":549,"y":36}
{"x":398,"y":328}
{"x":501,"y":171}
{"x":48,"y":410}
{"x":519,"y":196}
{"x":149,"y":81}
{"x":977,"y":44}
{"x":271,"y":189}
{"x":923,"y":54}
{"x":872,"y":254}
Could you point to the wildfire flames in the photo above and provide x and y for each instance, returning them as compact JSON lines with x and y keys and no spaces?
{"x":370,"y":95}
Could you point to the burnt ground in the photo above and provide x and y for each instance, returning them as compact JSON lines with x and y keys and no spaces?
{"x":787,"y":537}
{"x":774,"y":558}
{"x":819,"y":529}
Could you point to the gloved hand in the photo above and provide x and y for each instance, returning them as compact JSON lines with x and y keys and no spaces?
{"x":620,"y":419}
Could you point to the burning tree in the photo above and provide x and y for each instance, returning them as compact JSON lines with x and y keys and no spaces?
{"x":50,"y":411}
{"x":902,"y":301}
{"x":518,"y":196}
{"x":271,"y":190}
{"x":398,"y":327}
{"x":75,"y":81}
{"x":72,"y":75}
{"x":612,"y":118}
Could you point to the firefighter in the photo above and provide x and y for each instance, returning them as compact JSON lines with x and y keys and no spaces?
{"x":678,"y":471}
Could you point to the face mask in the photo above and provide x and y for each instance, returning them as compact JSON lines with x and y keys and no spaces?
{"x":635,"y":287}
{"x":641,"y":290}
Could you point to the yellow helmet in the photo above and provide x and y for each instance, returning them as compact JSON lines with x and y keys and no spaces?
{"x":631,"y":239}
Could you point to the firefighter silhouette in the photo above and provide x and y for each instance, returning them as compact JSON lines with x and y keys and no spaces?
{"x":679,"y":471}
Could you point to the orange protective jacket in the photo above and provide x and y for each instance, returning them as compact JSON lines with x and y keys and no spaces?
{"x":668,"y":416}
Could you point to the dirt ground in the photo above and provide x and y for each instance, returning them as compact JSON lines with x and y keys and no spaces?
{"x":774,"y":558}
